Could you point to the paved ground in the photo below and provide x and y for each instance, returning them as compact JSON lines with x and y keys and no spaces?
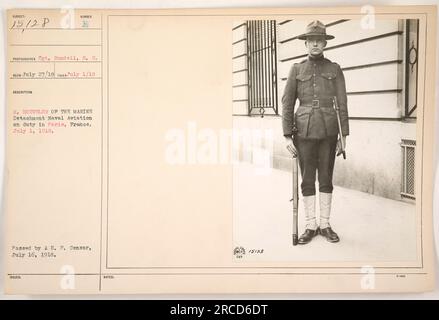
{"x":371,"y":228}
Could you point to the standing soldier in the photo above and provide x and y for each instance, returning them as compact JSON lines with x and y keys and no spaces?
{"x":311,"y":132}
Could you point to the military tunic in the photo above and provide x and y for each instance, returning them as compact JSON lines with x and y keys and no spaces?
{"x":315,"y":82}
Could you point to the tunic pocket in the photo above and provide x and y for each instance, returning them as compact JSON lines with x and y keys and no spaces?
{"x":331,"y":123}
{"x":329,"y":75}
{"x":303,"y":83}
{"x":302,"y":120}
{"x":329,"y":82}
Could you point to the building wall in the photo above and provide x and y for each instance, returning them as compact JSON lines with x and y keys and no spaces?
{"x":373,"y":64}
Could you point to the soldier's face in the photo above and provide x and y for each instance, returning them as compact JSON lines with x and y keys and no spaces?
{"x":315,"y":45}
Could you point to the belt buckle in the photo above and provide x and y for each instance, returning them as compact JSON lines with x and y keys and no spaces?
{"x":316,"y":104}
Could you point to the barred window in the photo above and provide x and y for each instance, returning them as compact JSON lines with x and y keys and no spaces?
{"x":262,"y":68}
{"x":411,"y":68}
{"x":408,"y":169}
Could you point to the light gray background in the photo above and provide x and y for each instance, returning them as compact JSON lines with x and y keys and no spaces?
{"x":133,"y":4}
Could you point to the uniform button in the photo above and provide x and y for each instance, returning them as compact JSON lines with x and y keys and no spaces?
{"x":315,"y":96}
{"x":314,"y":84}
{"x":313,"y":74}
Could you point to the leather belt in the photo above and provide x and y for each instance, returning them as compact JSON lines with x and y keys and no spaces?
{"x":317,"y":103}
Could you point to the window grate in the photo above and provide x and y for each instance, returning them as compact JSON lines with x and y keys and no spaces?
{"x":408,"y":168}
{"x":262,"y":67}
{"x":411,"y":67}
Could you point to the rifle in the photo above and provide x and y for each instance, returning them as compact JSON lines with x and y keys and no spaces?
{"x":295,"y":200}
{"x":295,"y":191}
{"x":340,"y":133}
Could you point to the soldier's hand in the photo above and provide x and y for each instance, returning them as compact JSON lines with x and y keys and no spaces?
{"x":290,"y":146}
{"x":339,"y":148}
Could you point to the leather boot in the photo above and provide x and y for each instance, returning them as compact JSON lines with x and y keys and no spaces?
{"x":307,"y":236}
{"x":329,"y":234}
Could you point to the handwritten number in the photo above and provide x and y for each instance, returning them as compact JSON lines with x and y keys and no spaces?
{"x":31,"y":23}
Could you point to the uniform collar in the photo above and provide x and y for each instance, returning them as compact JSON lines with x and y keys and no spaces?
{"x":317,"y":59}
